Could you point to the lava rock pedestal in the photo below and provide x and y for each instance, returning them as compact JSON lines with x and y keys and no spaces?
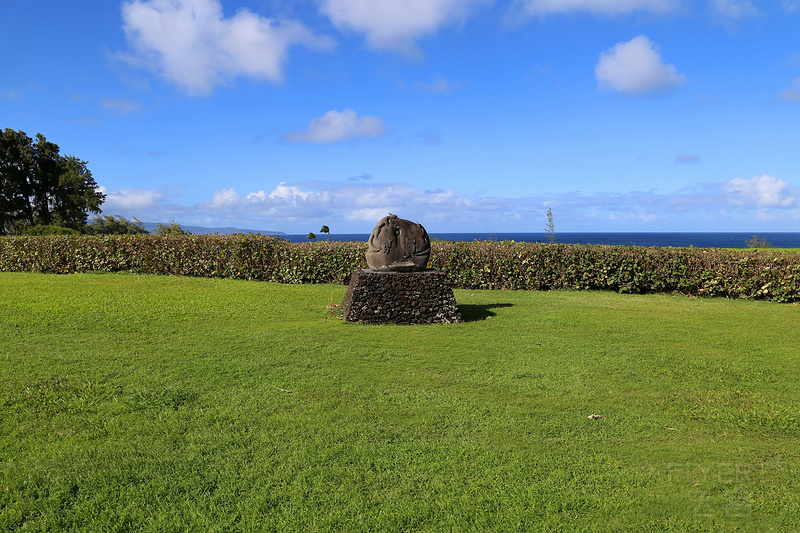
{"x":389,"y":297}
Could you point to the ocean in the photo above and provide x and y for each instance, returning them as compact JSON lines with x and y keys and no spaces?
{"x":698,"y":240}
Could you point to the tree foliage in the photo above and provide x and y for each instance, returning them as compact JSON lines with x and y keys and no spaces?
{"x":173,"y":228}
{"x":115,"y":225}
{"x":41,"y":187}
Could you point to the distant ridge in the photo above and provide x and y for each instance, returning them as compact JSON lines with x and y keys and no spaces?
{"x":200,"y":230}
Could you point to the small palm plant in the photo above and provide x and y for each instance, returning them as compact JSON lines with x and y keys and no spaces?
{"x":550,"y":228}
{"x":755,"y":242}
{"x":326,"y":229}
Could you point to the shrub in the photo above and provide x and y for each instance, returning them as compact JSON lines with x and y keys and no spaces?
{"x":49,"y":229}
{"x":755,"y":274}
{"x":115,"y":225}
{"x":173,"y":228}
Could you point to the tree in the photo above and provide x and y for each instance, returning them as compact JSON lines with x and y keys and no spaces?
{"x":311,"y":236}
{"x":39,"y":186}
{"x":115,"y":225}
{"x":550,"y":228}
{"x":173,"y":228}
{"x":326,"y":229}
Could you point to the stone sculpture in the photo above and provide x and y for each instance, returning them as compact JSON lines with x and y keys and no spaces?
{"x":398,"y":287}
{"x":398,"y":245}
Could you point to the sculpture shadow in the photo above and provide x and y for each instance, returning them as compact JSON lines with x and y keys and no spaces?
{"x":474,"y":312}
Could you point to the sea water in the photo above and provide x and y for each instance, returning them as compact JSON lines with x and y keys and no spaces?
{"x":698,"y":240}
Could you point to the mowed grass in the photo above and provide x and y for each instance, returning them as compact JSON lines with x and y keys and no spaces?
{"x":143,"y":403}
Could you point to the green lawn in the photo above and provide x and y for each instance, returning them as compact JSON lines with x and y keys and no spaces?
{"x":143,"y":403}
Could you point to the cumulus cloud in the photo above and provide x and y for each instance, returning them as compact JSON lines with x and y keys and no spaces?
{"x":792,"y":6}
{"x":432,"y":138}
{"x":130,"y":199}
{"x":119,"y":106}
{"x":359,"y":206}
{"x":351,"y":203}
{"x":396,"y":24}
{"x":193,"y":45}
{"x":439,"y":85}
{"x":355,"y":206}
{"x":360,"y":177}
{"x":685,"y":159}
{"x":598,"y":7}
{"x":791,"y":94}
{"x":635,"y":67}
{"x":11,"y":94}
{"x":732,"y":9}
{"x":286,"y":202}
{"x":723,"y":206}
{"x":336,"y":126}
{"x":759,"y":192}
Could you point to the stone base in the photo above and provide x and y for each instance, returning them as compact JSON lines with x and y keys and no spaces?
{"x":381,"y":297}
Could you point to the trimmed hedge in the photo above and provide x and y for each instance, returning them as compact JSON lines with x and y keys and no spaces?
{"x":755,"y":274}
{"x":251,"y":257}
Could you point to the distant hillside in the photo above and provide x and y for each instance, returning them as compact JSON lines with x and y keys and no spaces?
{"x":200,"y":230}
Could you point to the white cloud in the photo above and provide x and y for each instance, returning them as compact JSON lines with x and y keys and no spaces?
{"x":791,"y":94}
{"x":792,"y":6}
{"x":224,"y":199}
{"x":439,"y":85}
{"x":732,"y":9}
{"x":281,"y":196}
{"x":285,"y":202}
{"x":361,"y":177}
{"x":396,"y":24}
{"x":13,"y":95}
{"x":760,"y":191}
{"x":452,"y":210}
{"x":635,"y":67}
{"x":194,"y":46}
{"x":119,"y":106}
{"x":347,"y":207}
{"x":597,"y":7}
{"x":685,"y":159}
{"x":336,"y":126}
{"x":353,"y":203}
{"x":130,"y":199}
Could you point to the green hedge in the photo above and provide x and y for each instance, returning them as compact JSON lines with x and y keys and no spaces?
{"x":251,"y":257}
{"x":755,"y":274}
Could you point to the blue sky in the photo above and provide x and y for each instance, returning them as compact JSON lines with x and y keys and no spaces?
{"x":463,"y":115}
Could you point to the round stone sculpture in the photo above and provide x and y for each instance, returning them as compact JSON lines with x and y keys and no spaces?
{"x":398,"y":245}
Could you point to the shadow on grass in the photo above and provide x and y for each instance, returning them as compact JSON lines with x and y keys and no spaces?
{"x":473,"y":313}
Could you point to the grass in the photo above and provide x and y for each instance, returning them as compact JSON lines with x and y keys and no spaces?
{"x":142,"y":403}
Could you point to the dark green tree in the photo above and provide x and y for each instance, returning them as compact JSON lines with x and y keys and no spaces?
{"x":311,"y":236}
{"x":39,"y":186}
{"x":326,"y":229}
